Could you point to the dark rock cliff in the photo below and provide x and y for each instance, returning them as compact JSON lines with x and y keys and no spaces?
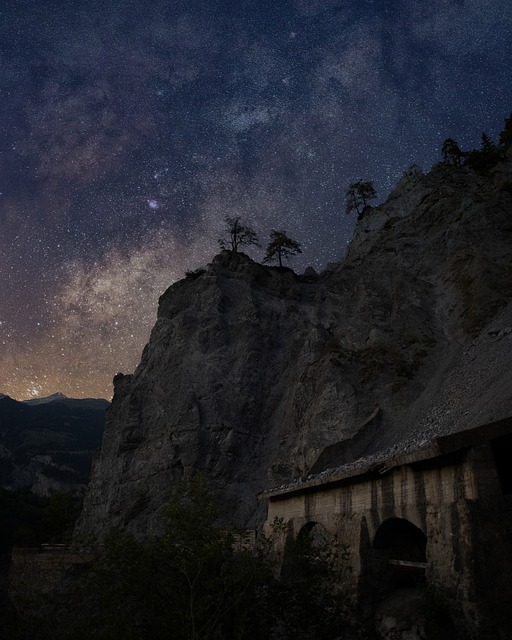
{"x":251,"y":372}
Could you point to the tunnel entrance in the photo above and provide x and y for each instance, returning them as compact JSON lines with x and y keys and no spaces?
{"x":400,"y":548}
{"x":502,"y":453}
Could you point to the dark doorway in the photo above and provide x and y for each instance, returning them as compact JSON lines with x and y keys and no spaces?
{"x":401,"y":546}
{"x":502,"y":453}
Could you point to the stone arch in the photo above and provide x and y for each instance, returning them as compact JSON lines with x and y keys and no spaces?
{"x":315,"y":531}
{"x":313,"y":535}
{"x":403,"y":539}
{"x":399,"y":550}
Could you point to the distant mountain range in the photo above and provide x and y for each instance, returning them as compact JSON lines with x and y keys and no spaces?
{"x":47,"y":444}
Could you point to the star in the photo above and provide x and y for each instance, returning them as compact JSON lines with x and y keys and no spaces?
{"x":128,"y":136}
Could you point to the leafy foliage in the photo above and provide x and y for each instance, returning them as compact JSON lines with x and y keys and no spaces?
{"x":29,"y":520}
{"x":190,"y":584}
{"x":311,"y":602}
{"x":281,"y":247}
{"x":194,"y":584}
{"x":237,"y":234}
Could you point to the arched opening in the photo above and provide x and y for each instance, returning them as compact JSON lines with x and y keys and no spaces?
{"x":307,"y":553}
{"x":401,"y":547}
{"x":315,"y":533}
{"x":399,"y":554}
{"x":502,"y":451}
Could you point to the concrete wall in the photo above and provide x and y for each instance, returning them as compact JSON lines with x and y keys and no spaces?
{"x":456,"y":500}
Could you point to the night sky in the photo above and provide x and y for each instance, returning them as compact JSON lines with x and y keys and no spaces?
{"x":130,"y":129}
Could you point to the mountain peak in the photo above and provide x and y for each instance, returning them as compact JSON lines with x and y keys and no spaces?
{"x":54,"y":397}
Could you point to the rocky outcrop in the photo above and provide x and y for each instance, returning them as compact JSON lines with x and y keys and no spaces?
{"x":252,"y":371}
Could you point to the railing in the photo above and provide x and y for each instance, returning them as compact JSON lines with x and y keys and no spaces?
{"x":85,"y":551}
{"x":408,"y":564}
{"x":242,"y":541}
{"x":26,"y":551}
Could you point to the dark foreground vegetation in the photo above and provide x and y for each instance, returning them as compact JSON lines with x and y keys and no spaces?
{"x":28,"y":520}
{"x":197,"y":582}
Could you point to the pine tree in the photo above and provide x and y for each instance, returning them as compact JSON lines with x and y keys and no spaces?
{"x":280,"y":247}
{"x":357,"y":196}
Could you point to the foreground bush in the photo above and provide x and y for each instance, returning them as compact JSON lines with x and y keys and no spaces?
{"x":192,"y":584}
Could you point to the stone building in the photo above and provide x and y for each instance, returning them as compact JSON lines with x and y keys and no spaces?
{"x":440,"y":516}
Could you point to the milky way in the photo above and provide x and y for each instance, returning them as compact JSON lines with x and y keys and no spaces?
{"x":130,"y":130}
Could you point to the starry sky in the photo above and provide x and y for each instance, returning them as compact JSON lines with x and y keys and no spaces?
{"x":130,"y":129}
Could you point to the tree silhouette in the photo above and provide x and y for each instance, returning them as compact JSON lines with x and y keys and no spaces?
{"x":485,"y":158}
{"x":281,"y":246}
{"x":451,"y":152}
{"x":506,"y":134}
{"x":237,"y":234}
{"x":357,"y":196}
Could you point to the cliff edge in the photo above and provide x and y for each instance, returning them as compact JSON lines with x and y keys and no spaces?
{"x":252,"y":372}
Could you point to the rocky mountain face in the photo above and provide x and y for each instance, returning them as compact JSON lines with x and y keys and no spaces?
{"x":47,"y":444}
{"x":253,"y":374}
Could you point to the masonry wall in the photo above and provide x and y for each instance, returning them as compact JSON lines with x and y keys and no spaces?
{"x":34,"y":575}
{"x":455,"y":500}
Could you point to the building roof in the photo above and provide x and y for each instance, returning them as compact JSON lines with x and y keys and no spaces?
{"x":380,"y":463}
